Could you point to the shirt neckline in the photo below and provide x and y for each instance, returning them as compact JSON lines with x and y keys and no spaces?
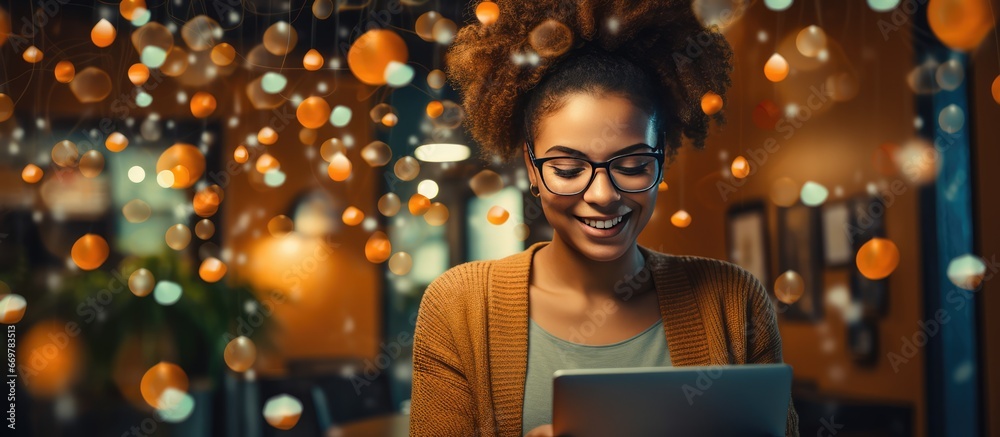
{"x":565,"y":342}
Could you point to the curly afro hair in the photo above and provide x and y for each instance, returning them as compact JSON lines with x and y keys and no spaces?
{"x":655,"y":53}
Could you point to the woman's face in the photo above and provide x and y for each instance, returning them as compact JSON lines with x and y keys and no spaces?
{"x":595,"y":128}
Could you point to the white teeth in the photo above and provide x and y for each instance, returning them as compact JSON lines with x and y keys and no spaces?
{"x":604,"y":224}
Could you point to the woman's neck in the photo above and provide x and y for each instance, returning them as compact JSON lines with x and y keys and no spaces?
{"x":559,"y":267}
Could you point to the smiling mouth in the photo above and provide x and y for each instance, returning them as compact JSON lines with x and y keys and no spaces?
{"x":606,"y":224}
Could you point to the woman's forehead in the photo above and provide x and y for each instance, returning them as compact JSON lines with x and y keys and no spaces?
{"x":596,"y":126}
{"x":585,"y":115}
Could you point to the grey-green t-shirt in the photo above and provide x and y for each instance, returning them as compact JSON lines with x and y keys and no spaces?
{"x":548,"y":353}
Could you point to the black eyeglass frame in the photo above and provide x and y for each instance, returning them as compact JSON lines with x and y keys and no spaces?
{"x":606,"y":165}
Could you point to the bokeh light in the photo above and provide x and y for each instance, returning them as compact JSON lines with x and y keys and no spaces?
{"x":240,"y":354}
{"x":190,"y":160}
{"x":141,"y":282}
{"x":167,"y":293}
{"x":65,"y":154}
{"x":280,"y":38}
{"x":178,"y":236}
{"x":223,"y":54}
{"x":711,"y":103}
{"x":810,"y":41}
{"x":740,"y":167}
{"x":12,"y":307}
{"x":550,"y":38}
{"x":91,"y":164}
{"x":778,"y":5}
{"x":212,"y":270}
{"x":322,"y":9}
{"x":340,"y":116}
{"x":32,"y":173}
{"x":312,"y":60}
{"x":90,"y":251}
{"x":137,"y":211}
{"x":204,"y":229}
{"x":436,"y":79}
{"x":883,"y":5}
{"x":789,"y":287}
{"x":378,"y":248}
{"x":372,"y":52}
{"x":877,"y":258}
{"x":428,"y":188}
{"x":418,"y":204}
{"x":313,"y":112}
{"x":497,"y":215}
{"x":776,"y":68}
{"x":103,"y":33}
{"x":400,"y":263}
{"x":340,"y":167}
{"x":486,"y":183}
{"x":376,"y":154}
{"x":960,"y":24}
{"x":813,"y":193}
{"x":951,"y":118}
{"x":116,"y":142}
{"x":280,"y":225}
{"x":389,"y":204}
{"x":407,"y":168}
{"x":681,"y":219}
{"x":487,"y":12}
{"x":6,"y":107}
{"x":160,"y":377}
{"x":437,"y":214}
{"x":352,"y":216}
{"x":967,"y":271}
{"x":202,"y":104}
{"x":282,"y":411}
{"x":65,"y":72}
{"x":91,"y":85}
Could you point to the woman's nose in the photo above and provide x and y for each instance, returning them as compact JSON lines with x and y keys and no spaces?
{"x":601,"y":191}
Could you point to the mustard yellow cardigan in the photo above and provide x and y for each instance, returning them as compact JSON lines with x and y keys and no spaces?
{"x":470,"y":351}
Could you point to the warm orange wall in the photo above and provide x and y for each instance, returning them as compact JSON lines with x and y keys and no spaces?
{"x":833,"y":148}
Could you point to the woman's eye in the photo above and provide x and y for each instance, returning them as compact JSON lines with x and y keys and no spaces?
{"x":632,"y":170}
{"x":567,"y":173}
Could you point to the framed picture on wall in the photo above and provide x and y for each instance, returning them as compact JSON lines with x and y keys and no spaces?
{"x":867,"y":222}
{"x":837,"y":221}
{"x":747,"y":239}
{"x":800,"y":249}
{"x":862,"y":341}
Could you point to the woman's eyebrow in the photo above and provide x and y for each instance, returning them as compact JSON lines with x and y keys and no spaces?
{"x":576,"y":153}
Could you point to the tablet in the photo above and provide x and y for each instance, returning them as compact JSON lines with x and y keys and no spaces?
{"x":744,"y":400}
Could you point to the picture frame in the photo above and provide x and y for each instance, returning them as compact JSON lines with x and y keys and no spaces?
{"x":800,"y":248}
{"x":867,"y":222}
{"x":863,"y":342}
{"x":838,"y":248}
{"x":747,"y":240}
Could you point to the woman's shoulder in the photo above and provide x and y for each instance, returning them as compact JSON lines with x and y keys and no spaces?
{"x":461,"y":279}
{"x":472,"y":278}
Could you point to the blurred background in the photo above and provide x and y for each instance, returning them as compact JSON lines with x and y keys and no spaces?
{"x":218,"y":217}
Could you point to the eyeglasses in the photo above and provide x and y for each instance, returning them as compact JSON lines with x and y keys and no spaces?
{"x":631,"y":173}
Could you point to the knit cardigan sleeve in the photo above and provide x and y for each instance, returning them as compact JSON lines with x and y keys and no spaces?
{"x":764,"y":341}
{"x":441,"y":401}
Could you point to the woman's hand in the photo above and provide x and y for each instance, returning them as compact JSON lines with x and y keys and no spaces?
{"x":541,"y":431}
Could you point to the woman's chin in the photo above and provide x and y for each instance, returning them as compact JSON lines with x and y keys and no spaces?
{"x":602,"y":251}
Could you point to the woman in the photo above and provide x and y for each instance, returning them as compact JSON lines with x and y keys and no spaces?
{"x":597,"y":124}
